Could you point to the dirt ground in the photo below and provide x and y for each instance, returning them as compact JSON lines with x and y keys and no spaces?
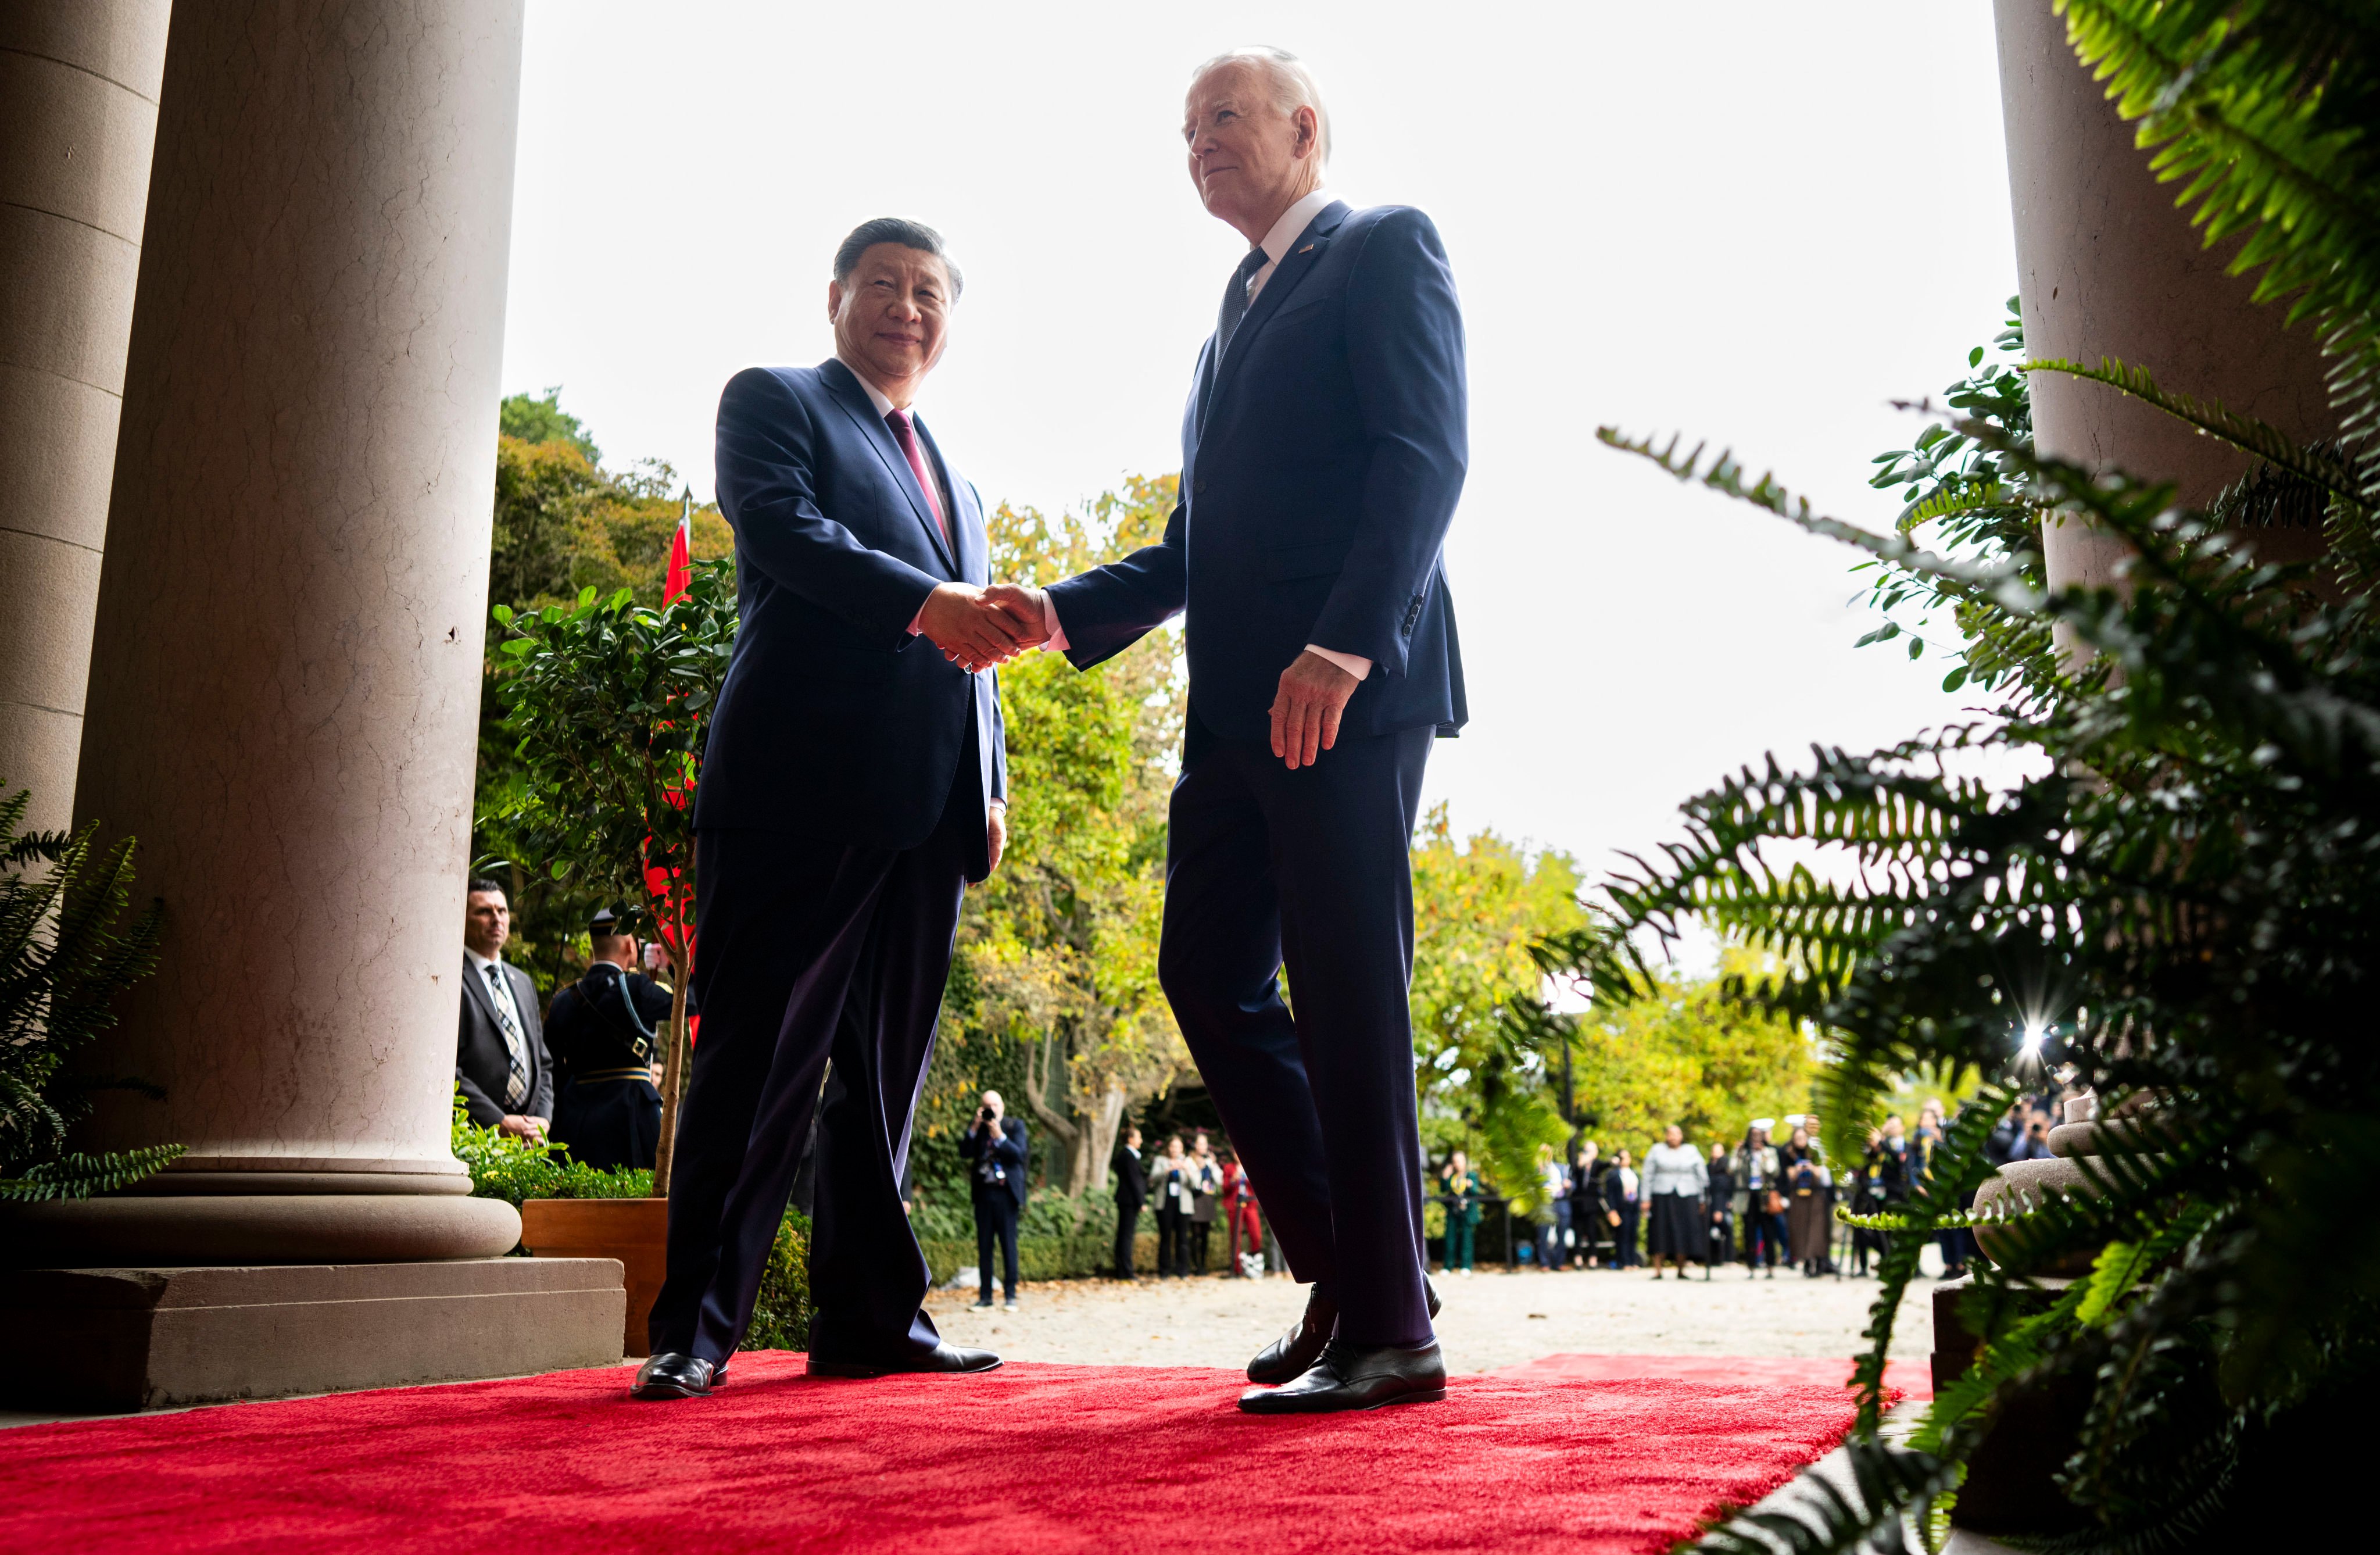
{"x":1491,"y":1319}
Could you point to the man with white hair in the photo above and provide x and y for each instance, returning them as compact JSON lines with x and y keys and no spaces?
{"x":1323,"y":450}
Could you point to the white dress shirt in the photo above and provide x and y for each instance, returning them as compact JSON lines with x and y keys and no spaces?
{"x":1291,"y":222}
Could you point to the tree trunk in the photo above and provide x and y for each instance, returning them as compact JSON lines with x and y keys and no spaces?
{"x":1105,"y":1124}
{"x":1036,"y":1077}
{"x":672,"y":1069}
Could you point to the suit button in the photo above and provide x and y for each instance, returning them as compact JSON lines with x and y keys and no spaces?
{"x":1198,"y":487}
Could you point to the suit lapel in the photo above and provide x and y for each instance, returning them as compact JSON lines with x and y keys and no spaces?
{"x":862,"y":411}
{"x":1304,"y":254}
{"x":476,"y":982}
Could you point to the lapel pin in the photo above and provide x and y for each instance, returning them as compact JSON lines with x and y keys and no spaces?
{"x":1307,"y":250}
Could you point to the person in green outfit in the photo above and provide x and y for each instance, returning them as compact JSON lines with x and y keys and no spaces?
{"x":1462,"y":1190}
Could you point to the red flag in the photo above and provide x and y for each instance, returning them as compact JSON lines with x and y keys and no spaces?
{"x":681,"y":568}
{"x":657,"y":880}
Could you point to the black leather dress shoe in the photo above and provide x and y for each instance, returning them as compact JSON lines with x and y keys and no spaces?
{"x":942,"y":1357}
{"x":672,"y":1376}
{"x":1348,"y":1378}
{"x":1293,"y":1354}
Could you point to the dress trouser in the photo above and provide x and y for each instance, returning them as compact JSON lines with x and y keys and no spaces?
{"x":1311,"y":869}
{"x":1127,"y":1232}
{"x":995,"y":1228}
{"x":811,"y":948}
{"x":1172,"y":1246}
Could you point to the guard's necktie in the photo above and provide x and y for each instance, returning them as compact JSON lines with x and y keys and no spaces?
{"x":516,"y":1045}
{"x":907,"y":438}
{"x":1235,"y":300}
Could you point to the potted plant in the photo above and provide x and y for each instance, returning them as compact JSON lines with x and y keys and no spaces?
{"x":611,"y":701}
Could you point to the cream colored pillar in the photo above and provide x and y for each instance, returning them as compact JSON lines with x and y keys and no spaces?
{"x":2108,"y":266}
{"x":78,"y":112}
{"x":284,"y":680}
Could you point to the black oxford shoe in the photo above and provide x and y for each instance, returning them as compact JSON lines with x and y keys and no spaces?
{"x":942,"y":1357}
{"x":1294,"y":1352}
{"x":672,"y":1376}
{"x":1348,"y":1377}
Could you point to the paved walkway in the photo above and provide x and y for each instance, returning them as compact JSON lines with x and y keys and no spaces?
{"x":1491,"y":1319}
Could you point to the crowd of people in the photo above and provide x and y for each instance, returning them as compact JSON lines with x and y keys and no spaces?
{"x":1192,"y":1187}
{"x":1766,"y":1201}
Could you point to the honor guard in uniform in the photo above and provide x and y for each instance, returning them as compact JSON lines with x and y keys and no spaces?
{"x":608,"y":1032}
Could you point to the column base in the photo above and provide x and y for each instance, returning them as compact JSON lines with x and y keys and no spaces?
{"x":93,"y":1339}
{"x":173,"y":1232}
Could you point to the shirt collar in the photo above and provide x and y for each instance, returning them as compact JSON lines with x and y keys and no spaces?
{"x":479,"y":964}
{"x":875,"y":397}
{"x":1295,"y":220}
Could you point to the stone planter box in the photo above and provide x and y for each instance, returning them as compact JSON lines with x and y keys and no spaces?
{"x":635,"y":1231}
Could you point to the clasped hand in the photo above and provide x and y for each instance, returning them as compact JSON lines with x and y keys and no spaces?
{"x":978,"y":628}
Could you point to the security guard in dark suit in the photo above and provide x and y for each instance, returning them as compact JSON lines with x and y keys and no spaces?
{"x":607,"y":1031}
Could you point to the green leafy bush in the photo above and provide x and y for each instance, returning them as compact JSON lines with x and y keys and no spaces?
{"x":780,"y":1315}
{"x":515,"y":1169}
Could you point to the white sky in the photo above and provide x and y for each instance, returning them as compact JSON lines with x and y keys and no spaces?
{"x":1755,"y":223}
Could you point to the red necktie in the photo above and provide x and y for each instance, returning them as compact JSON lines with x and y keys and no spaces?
{"x":908,"y":442}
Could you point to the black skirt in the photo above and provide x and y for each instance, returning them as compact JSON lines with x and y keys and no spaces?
{"x":1677,"y":1231}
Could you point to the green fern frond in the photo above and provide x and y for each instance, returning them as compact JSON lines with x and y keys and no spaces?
{"x":77,"y":1175}
{"x":2249,"y":435}
{"x":1887,"y":1483}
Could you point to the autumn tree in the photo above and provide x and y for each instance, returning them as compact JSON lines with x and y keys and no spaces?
{"x":1689,"y":1057}
{"x":1487,"y":1087}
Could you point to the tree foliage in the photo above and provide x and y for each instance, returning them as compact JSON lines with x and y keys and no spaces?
{"x":1686,"y":1053}
{"x":1487,"y":1084}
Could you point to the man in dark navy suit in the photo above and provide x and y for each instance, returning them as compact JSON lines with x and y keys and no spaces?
{"x":1322,"y":454}
{"x":853,"y":784}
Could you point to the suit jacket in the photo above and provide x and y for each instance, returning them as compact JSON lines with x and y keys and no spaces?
{"x":484,"y":1063}
{"x":1009,"y":1150}
{"x":1322,"y":455}
{"x":833,"y":720}
{"x":1131,"y":1179}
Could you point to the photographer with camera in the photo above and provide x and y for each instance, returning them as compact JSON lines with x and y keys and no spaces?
{"x":996,"y":1145}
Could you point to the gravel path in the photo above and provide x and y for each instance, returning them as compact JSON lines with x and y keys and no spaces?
{"x":1491,"y":1319}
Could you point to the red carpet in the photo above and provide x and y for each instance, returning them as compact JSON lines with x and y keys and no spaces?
{"x":1031,"y":1459}
{"x":1907,"y":1379}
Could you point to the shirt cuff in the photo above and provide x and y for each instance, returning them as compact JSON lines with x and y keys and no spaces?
{"x":1354,"y":664}
{"x":1056,"y":641}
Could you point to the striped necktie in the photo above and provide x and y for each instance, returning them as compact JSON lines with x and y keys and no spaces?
{"x":516,"y":1045}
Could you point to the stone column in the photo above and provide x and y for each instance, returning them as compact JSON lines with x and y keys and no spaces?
{"x":2107,"y":265}
{"x":78,"y":112}
{"x":284,"y":680}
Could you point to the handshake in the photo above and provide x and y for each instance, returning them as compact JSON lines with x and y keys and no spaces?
{"x":978,"y":628}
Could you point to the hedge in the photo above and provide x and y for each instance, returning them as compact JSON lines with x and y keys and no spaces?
{"x":1048,"y":1257}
